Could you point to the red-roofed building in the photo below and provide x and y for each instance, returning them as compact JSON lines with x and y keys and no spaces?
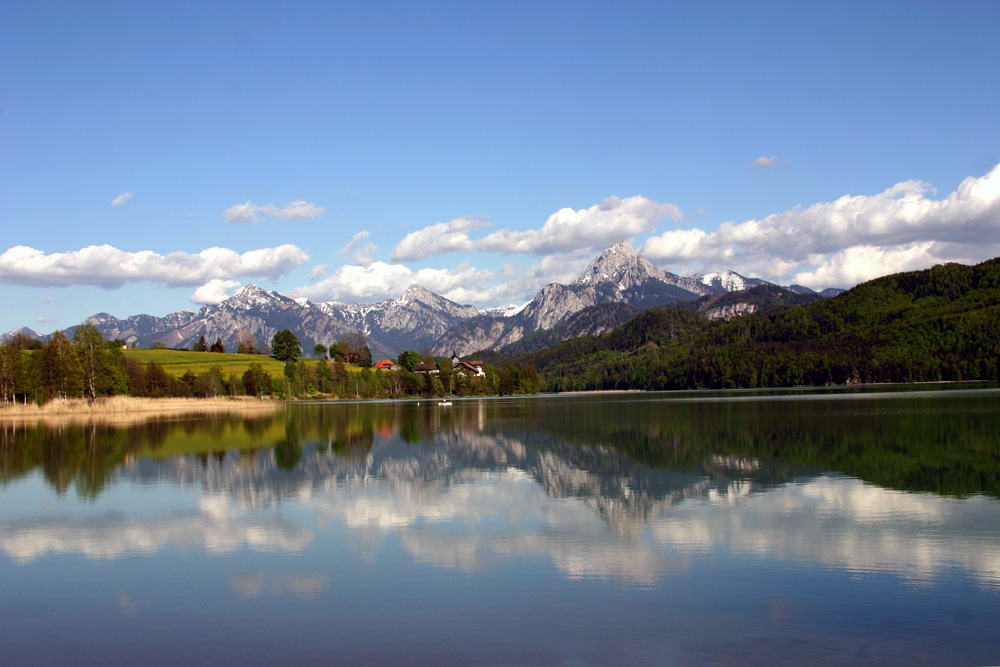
{"x":385,"y":365}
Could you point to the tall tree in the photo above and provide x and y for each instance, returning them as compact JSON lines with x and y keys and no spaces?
{"x":285,"y":346}
{"x":59,"y":368}
{"x":408,"y":360}
{"x":94,"y":358}
{"x":256,"y":381}
{"x":12,"y":373}
{"x":354,"y":346}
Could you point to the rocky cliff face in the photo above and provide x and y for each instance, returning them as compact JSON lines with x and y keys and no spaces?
{"x":730,"y":311}
{"x":619,"y":274}
{"x":414,"y":320}
{"x":260,"y":311}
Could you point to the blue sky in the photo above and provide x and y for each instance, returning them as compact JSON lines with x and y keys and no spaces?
{"x":156,"y":156}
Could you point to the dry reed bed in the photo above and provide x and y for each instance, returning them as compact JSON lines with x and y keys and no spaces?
{"x":129,"y":409}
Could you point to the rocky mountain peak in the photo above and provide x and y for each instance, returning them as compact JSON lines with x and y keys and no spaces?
{"x":417,"y":293}
{"x":251,"y":296}
{"x":620,"y":265}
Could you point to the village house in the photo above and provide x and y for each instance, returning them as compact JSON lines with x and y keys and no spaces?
{"x":386,"y":365}
{"x":424,"y":367}
{"x":469,"y":368}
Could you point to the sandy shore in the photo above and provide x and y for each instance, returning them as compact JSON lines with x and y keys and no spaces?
{"x":121,"y":409}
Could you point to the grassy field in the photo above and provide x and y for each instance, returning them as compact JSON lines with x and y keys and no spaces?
{"x":178,"y":362}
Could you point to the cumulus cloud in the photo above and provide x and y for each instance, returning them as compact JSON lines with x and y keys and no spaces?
{"x":108,"y":267}
{"x":248,"y":212}
{"x":596,"y":227}
{"x":380,"y":280}
{"x":567,"y":230}
{"x":851,"y":239}
{"x":214,"y":291}
{"x":121,"y":199}
{"x":765,"y":162}
{"x":105,"y":538}
{"x":513,"y":283}
{"x":360,"y":251}
{"x":443,"y":237}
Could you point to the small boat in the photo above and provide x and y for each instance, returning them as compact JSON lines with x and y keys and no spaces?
{"x":443,"y":403}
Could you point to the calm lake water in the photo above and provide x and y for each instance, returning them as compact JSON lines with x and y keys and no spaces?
{"x":799,"y":527}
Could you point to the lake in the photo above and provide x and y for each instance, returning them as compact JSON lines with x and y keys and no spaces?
{"x":812,"y":526}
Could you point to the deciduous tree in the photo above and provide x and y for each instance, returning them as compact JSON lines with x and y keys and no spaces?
{"x":60,"y":372}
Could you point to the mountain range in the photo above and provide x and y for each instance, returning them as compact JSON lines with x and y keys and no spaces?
{"x":619,"y":281}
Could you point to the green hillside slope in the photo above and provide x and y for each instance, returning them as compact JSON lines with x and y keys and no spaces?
{"x":933,"y":325}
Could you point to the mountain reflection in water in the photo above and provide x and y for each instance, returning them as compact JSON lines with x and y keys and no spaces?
{"x":636,"y":491}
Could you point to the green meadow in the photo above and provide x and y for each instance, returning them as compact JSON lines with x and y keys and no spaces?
{"x":178,"y":362}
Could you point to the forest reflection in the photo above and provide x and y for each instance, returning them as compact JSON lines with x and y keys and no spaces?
{"x":942,"y":443}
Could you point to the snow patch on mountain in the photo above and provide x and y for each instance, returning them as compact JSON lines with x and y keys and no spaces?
{"x":729,"y":281}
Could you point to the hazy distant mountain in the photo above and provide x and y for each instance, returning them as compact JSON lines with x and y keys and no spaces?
{"x":826,"y":294}
{"x":30,"y":333}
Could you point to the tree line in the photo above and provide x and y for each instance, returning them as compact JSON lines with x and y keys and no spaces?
{"x":88,"y":366}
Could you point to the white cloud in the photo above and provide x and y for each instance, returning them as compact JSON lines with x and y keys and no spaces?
{"x":765,"y":162}
{"x":246,"y":212}
{"x":296,"y":210}
{"x":121,"y":199}
{"x":596,"y":227}
{"x":109,"y":267}
{"x":852,"y":238}
{"x":317,"y":272}
{"x":249,"y":212}
{"x":45,"y":320}
{"x":104,"y":538}
{"x":443,"y":237}
{"x":350,"y":282}
{"x":566,"y":230}
{"x":214,"y":291}
{"x":379,"y":280}
{"x":360,"y":252}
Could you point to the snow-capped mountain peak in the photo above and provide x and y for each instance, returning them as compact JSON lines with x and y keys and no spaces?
{"x":620,"y":266}
{"x":507,"y":310}
{"x":729,"y":281}
{"x":415,"y":292}
{"x":251,"y":296}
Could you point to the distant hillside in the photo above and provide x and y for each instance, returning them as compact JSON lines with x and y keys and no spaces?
{"x":938,"y":324}
{"x":763,"y":298}
{"x":591,"y":321}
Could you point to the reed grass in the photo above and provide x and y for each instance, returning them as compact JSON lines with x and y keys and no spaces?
{"x":130,"y":408}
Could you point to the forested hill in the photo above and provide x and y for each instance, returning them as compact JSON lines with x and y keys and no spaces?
{"x":937,"y":324}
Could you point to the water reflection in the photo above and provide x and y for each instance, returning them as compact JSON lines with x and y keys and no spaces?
{"x":218,"y":526}
{"x":626,"y":489}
